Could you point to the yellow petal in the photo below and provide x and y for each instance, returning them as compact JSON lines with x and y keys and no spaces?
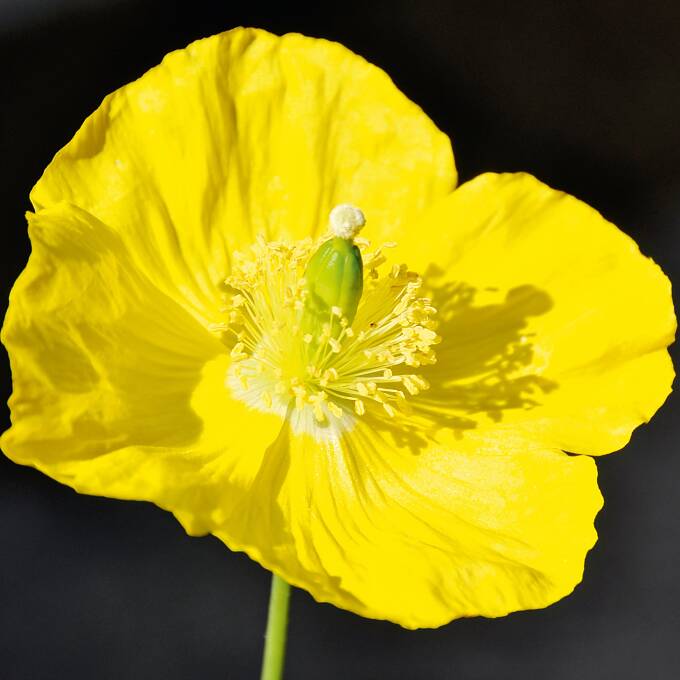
{"x":118,"y":391}
{"x":246,"y":133}
{"x":415,"y":532}
{"x":552,"y":321}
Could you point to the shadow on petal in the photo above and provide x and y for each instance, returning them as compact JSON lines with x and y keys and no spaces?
{"x":264,"y":522}
{"x":485,"y":363}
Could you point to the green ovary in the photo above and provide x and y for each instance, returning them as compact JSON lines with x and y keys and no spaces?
{"x":335,"y":281}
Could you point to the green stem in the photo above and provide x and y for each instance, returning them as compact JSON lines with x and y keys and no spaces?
{"x":274,"y":655}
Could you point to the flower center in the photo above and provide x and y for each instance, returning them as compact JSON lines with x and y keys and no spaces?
{"x":324,"y":373}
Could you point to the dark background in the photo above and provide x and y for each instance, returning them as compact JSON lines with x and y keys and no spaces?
{"x":585,"y":95}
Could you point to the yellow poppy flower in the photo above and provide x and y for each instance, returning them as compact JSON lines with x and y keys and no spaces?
{"x":408,"y":464}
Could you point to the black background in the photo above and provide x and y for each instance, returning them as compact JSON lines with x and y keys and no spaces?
{"x":585,"y":95}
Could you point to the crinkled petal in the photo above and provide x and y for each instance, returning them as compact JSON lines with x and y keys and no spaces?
{"x":552,"y":321}
{"x":418,"y":533}
{"x":118,"y":391}
{"x":245,"y":133}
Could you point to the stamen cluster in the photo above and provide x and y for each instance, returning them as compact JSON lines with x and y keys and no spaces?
{"x":340,"y":371}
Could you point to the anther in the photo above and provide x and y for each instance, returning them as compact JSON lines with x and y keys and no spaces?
{"x":335,"y":409}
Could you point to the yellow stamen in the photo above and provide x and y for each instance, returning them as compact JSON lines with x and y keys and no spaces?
{"x":348,"y":370}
